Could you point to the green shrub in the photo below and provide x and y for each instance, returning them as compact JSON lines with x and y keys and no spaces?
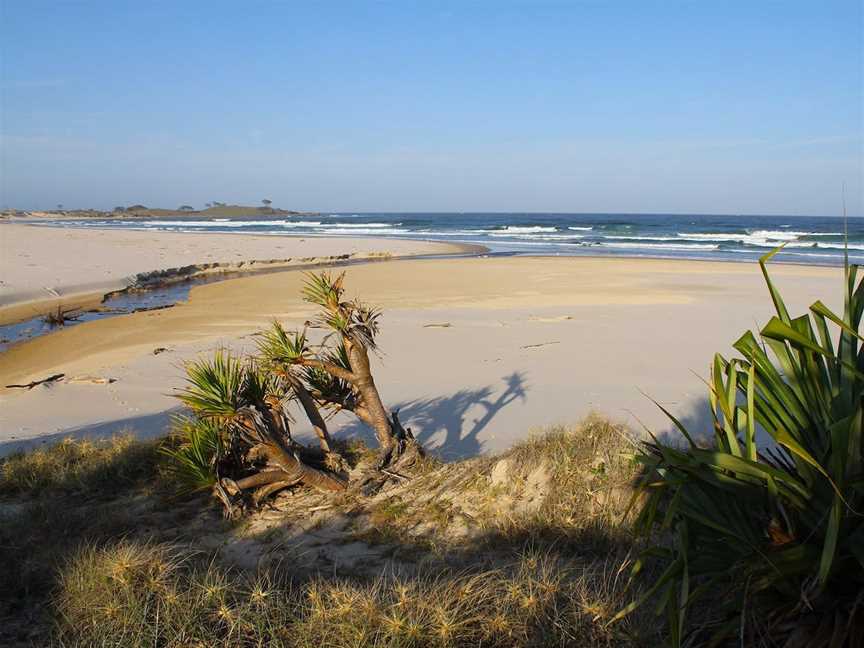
{"x":769,"y":538}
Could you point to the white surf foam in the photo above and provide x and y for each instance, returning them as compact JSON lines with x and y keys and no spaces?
{"x":536,"y":236}
{"x":662,"y":246}
{"x":532,"y":229}
{"x":361,"y":225}
{"x":354,"y":231}
{"x":760,"y":238}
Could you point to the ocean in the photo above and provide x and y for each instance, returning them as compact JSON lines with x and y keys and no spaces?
{"x":809,"y":240}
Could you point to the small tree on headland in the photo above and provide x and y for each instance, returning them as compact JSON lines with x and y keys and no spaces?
{"x":59,"y":206}
{"x":239,"y":441}
{"x":266,"y":202}
{"x":186,"y":208}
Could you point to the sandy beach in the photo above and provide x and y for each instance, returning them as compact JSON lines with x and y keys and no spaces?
{"x":42,"y":267}
{"x":475,"y":352}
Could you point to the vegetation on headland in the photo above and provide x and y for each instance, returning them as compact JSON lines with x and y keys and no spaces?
{"x":211,"y":210}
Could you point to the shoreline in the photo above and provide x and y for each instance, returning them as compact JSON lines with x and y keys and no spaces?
{"x":14,"y":312}
{"x":474,"y":247}
{"x":84,"y":292}
{"x":476,"y":351}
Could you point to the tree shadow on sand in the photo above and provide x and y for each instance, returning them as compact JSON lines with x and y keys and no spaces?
{"x":461,"y":416}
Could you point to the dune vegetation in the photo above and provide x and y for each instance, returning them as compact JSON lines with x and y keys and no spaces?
{"x":770,"y":530}
{"x":529,"y":548}
{"x":231,"y":533}
{"x":238,"y":440}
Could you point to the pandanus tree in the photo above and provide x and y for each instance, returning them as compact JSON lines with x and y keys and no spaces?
{"x":768,"y":535}
{"x":238,"y":440}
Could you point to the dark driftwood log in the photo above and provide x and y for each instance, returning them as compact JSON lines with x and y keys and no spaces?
{"x":33,"y":384}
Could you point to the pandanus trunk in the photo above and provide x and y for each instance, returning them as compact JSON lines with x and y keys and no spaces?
{"x":365,"y":384}
{"x":312,"y":413}
{"x":262,"y":478}
{"x":268,"y":446}
{"x":297,"y":472}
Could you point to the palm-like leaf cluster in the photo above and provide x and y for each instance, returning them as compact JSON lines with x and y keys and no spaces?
{"x":218,"y":391}
{"x":282,"y":348}
{"x":221,"y":387}
{"x":327,"y":389}
{"x":322,"y":289}
{"x":284,"y":352}
{"x":352,"y":319}
{"x":772,"y":531}
{"x":193,"y":461}
{"x":215,"y":387}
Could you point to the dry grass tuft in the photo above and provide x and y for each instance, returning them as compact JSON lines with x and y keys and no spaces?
{"x":78,"y":465}
{"x":587,"y":474}
{"x":530,"y":548}
{"x":55,"y":498}
{"x":566,"y":486}
{"x":147,"y":594}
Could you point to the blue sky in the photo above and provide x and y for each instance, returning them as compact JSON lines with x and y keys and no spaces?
{"x":710,"y":106}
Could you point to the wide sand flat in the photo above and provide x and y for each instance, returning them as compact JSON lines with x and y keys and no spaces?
{"x":39,"y":263}
{"x":476,"y":352}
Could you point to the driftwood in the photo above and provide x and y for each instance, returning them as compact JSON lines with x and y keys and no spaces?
{"x":144,"y":309}
{"x":31,"y":385}
{"x":61,"y":316}
{"x":541,"y":344}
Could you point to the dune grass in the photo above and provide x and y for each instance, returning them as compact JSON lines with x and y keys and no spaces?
{"x":591,"y":470}
{"x":79,"y":465}
{"x":99,"y":554}
{"x":51,"y":500}
{"x":146,"y":595}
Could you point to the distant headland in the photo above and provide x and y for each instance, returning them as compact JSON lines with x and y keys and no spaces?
{"x":211,"y":210}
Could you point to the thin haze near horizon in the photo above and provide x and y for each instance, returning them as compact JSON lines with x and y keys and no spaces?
{"x":652,"y":107}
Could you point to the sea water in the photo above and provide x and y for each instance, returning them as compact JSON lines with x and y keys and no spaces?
{"x":807,"y":239}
